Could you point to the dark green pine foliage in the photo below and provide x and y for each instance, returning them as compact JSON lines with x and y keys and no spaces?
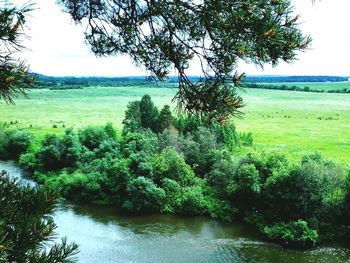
{"x":149,"y":114}
{"x":167,"y":34}
{"x":166,"y":119}
{"x":27,"y":227}
{"x":132,"y":120}
{"x":14,"y":74}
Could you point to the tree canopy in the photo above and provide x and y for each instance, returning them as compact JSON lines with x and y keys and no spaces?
{"x":165,"y":35}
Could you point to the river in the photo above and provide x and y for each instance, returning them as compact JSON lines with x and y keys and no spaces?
{"x":105,"y":236}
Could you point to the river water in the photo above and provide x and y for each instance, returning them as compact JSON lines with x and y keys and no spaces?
{"x":105,"y":235}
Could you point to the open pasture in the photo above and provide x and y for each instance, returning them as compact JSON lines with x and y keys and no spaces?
{"x":295,"y":122}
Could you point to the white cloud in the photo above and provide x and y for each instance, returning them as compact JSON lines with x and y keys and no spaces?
{"x":56,"y":44}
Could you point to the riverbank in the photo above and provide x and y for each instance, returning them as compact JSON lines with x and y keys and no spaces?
{"x":105,"y":235}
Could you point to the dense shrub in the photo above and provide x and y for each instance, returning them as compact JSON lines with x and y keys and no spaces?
{"x":149,"y":114}
{"x":169,"y":164}
{"x":170,"y":138}
{"x":166,"y":119}
{"x":295,"y":193}
{"x":144,"y":196}
{"x":199,"y":150}
{"x":266,"y":163}
{"x":222,"y":172}
{"x":172,"y":194}
{"x":92,"y":137}
{"x":49,"y":157}
{"x":110,"y":131}
{"x":192,"y":201}
{"x":28,"y":161}
{"x":294,"y":233}
{"x":14,"y":143}
{"x":245,"y":187}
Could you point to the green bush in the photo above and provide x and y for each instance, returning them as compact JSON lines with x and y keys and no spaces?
{"x":49,"y":158}
{"x":192,"y":201}
{"x":246,"y":180}
{"x":266,"y":163}
{"x":293,"y":234}
{"x":199,"y":150}
{"x":15,"y":143}
{"x":28,"y":161}
{"x":295,"y":193}
{"x":169,"y":164}
{"x":244,"y":188}
{"x":144,"y":196}
{"x":92,"y":137}
{"x":222,"y":172}
{"x":172,"y":192}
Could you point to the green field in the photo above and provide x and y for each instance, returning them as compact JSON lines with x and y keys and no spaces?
{"x":325,"y":86}
{"x":296,"y":122}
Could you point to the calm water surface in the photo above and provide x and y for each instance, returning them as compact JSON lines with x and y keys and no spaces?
{"x":105,"y":235}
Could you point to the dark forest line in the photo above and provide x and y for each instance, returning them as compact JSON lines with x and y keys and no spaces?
{"x":61,"y":83}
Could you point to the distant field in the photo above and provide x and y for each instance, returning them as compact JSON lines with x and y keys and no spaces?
{"x":325,"y":86}
{"x":297,"y":122}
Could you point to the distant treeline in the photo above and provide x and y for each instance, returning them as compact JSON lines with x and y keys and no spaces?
{"x":294,"y":87}
{"x":62,"y":83}
{"x":274,"y":79}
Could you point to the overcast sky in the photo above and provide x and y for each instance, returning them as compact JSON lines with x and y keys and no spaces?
{"x":57,"y":48}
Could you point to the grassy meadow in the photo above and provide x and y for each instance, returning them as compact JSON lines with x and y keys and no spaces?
{"x":295,"y":122}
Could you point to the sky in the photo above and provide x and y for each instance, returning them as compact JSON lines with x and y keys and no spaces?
{"x":56,"y":44}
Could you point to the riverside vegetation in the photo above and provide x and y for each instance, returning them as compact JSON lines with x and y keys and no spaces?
{"x":186,"y":165}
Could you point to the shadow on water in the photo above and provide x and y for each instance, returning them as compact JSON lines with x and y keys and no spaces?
{"x":107,"y":235}
{"x":166,"y":224}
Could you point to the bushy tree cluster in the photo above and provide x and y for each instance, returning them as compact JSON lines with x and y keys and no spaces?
{"x":141,"y":115}
{"x":13,"y":143}
{"x":189,"y":168}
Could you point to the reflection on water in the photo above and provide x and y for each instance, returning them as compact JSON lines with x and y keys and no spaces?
{"x":106,"y":235}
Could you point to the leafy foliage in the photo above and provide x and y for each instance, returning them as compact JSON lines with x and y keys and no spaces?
{"x":14,"y":143}
{"x":189,"y":168}
{"x":295,"y":233}
{"x":144,"y":195}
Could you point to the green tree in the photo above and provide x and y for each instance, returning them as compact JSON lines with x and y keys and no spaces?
{"x":15,"y":143}
{"x":14,"y":74}
{"x":301,"y":187}
{"x":144,"y":195}
{"x":110,"y":131}
{"x":149,"y":114}
{"x":132,"y":120}
{"x":27,"y":226}
{"x":165,"y":118}
{"x":92,"y":137}
{"x":245,"y":187}
{"x":169,"y":164}
{"x":162,"y":35}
